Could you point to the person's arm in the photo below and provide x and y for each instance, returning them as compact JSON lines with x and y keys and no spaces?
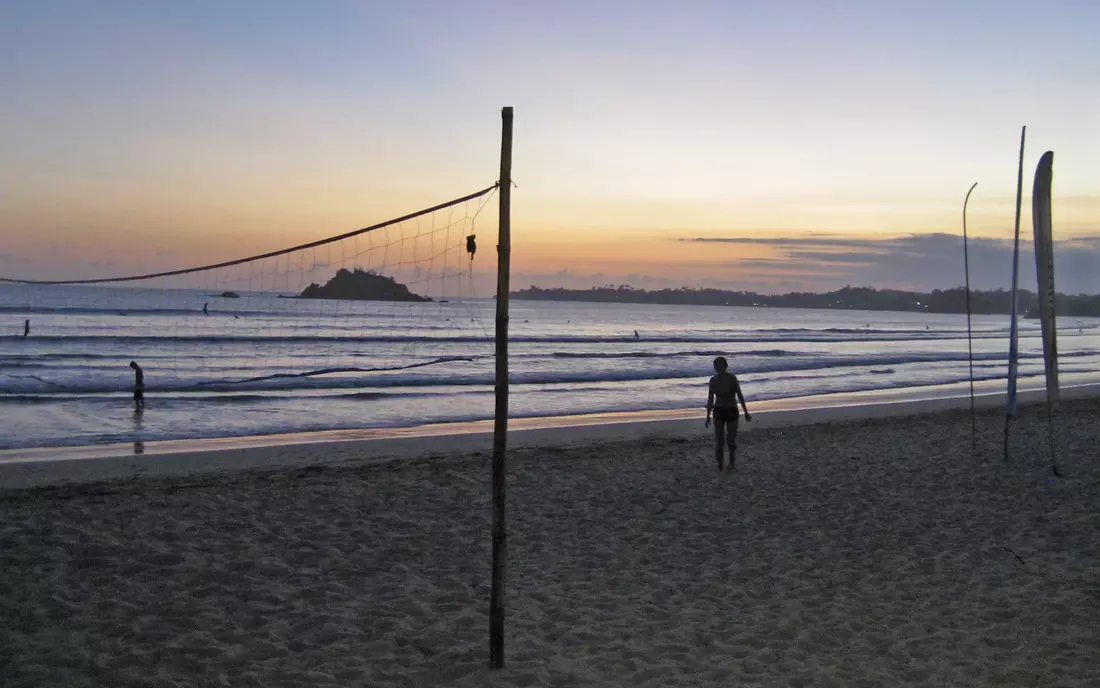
{"x":741,"y":398}
{"x":710,"y":400}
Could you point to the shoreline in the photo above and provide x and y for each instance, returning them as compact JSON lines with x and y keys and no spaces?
{"x":39,"y":467}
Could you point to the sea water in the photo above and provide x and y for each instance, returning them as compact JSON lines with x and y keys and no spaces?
{"x":238,"y":368}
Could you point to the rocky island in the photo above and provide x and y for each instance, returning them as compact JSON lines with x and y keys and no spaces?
{"x":361,"y":285}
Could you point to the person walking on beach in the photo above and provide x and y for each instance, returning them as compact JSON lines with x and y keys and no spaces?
{"x":139,"y":385}
{"x":722,"y":398}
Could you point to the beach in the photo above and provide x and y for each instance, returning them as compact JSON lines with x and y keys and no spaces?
{"x":851,"y":553}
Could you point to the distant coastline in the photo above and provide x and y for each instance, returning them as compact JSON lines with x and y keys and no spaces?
{"x":849,"y":298}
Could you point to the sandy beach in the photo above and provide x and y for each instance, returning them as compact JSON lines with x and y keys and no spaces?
{"x":856,"y":553}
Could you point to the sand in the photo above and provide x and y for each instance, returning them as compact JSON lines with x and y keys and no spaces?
{"x":870,"y":553}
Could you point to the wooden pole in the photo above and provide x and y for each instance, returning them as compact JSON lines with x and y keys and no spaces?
{"x":500,"y":423}
{"x":1013,"y":337}
{"x":969,"y":335}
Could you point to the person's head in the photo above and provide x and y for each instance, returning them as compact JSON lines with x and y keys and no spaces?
{"x":134,"y":365}
{"x":720,"y":364}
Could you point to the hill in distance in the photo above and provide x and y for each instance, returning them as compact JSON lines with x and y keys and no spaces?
{"x":361,"y":285}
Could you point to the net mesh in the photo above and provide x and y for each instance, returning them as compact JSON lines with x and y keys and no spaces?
{"x":345,"y":313}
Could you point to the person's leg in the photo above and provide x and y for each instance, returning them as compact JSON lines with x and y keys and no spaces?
{"x":731,"y":439}
{"x":719,"y":437}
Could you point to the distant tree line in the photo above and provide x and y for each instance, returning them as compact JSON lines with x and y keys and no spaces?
{"x":848,"y":298}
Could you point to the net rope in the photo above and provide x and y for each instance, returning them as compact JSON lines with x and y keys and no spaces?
{"x":245,"y":324}
{"x":262,"y":256}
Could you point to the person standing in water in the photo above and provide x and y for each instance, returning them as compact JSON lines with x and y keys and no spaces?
{"x":722,"y":398}
{"x":139,"y":385}
{"x":27,"y":327}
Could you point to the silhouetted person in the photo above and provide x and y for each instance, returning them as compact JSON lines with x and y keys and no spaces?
{"x":204,"y":311}
{"x":26,"y":328}
{"x":139,"y":385}
{"x":636,"y":335}
{"x":139,"y":445}
{"x":722,"y":398}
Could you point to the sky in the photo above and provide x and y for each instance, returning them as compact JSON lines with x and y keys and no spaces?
{"x":811,"y":144}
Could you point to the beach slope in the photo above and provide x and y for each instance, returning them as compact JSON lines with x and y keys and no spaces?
{"x":866,"y":553}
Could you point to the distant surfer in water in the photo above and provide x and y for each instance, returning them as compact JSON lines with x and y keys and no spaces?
{"x":139,"y":385}
{"x":722,"y":398}
{"x":27,"y":327}
{"x":139,"y":445}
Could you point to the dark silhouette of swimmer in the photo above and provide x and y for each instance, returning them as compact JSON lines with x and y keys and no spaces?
{"x":139,"y":445}
{"x":26,"y":327}
{"x":722,"y":398}
{"x":139,"y":385}
{"x":204,"y":311}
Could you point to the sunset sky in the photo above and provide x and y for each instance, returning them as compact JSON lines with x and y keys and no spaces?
{"x":144,"y":135}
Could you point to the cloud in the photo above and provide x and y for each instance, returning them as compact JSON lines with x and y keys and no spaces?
{"x":811,"y":240}
{"x":819,"y":262}
{"x":920,"y":261}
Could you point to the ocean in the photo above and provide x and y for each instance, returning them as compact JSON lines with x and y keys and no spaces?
{"x":237,"y":369}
